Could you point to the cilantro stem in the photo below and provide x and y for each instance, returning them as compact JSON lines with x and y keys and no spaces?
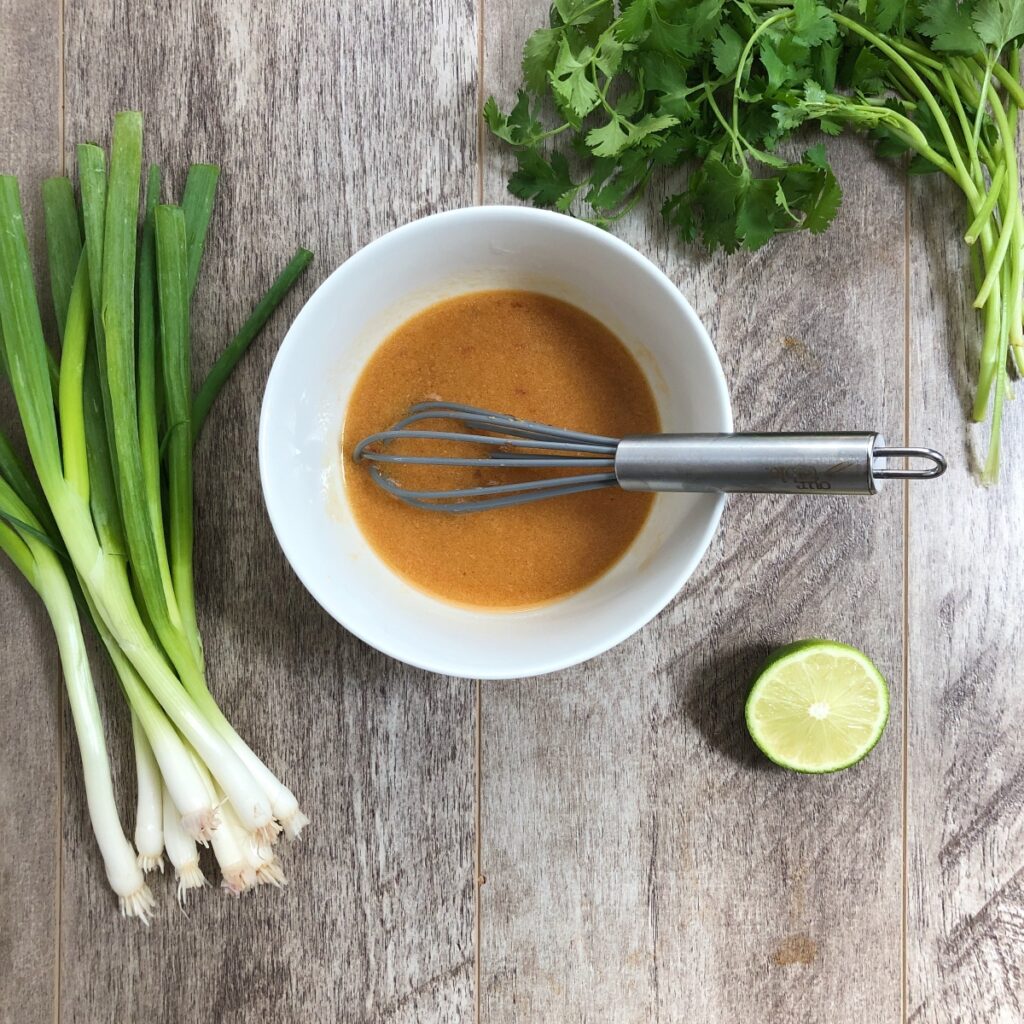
{"x":995,"y":352}
{"x":1009,"y":81}
{"x":550,"y":133}
{"x":980,"y":113}
{"x":737,"y":88}
{"x":965,"y":126}
{"x":730,"y":130}
{"x":916,"y":52}
{"x":994,"y":191}
{"x":966,"y":182}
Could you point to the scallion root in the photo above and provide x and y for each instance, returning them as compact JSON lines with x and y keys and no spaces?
{"x":294,"y":824}
{"x":189,"y":876}
{"x":139,"y":903}
{"x":271,"y":873}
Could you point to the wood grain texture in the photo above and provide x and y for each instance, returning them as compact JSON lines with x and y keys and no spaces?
{"x":30,"y":683}
{"x":643,"y":863}
{"x":312,"y":111}
{"x":966,"y":746}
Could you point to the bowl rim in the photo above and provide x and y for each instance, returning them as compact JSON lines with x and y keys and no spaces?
{"x":277,"y":510}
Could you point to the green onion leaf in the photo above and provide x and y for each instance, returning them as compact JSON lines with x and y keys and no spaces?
{"x":228,"y":359}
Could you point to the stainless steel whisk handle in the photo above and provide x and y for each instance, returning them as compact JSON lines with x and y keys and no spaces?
{"x":766,"y":463}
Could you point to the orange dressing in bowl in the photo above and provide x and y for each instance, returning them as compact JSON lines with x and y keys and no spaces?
{"x":516,"y":352}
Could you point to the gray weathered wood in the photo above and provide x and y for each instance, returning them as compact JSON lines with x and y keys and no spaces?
{"x":311,"y":110}
{"x":30,"y":687}
{"x":966,"y":746}
{"x":642,"y":862}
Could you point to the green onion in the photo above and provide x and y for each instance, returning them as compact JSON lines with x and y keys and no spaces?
{"x":102,"y":573}
{"x":63,"y":243}
{"x":172,"y":278}
{"x":228,"y":359}
{"x":148,"y":392}
{"x":107,"y":530}
{"x":197,"y":203}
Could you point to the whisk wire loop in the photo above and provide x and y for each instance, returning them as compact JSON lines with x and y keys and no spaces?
{"x":517,"y":444}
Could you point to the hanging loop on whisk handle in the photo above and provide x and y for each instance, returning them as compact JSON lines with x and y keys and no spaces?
{"x":819,"y":463}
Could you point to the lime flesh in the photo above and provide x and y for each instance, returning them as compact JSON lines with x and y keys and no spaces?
{"x":817,"y":706}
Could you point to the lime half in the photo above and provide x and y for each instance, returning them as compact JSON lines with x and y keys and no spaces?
{"x":817,"y":706}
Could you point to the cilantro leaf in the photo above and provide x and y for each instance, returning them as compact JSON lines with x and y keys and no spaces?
{"x":519,"y":127}
{"x":619,"y":134}
{"x":610,"y":139}
{"x":789,"y":117}
{"x":576,"y":12}
{"x":630,"y":102}
{"x":634,"y":21}
{"x":615,"y":179}
{"x":813,"y":93}
{"x":812,"y":23}
{"x":821,"y":215}
{"x":779,"y":71}
{"x":608,"y":53}
{"x":999,"y":22}
{"x":887,"y":15}
{"x":950,"y":25}
{"x":717,"y":190}
{"x":570,"y":82}
{"x":678,"y":213}
{"x":868,"y":71}
{"x":647,"y":20}
{"x":649,"y":124}
{"x":826,"y":64}
{"x":541,"y":181}
{"x":726,"y":50}
{"x":539,"y":55}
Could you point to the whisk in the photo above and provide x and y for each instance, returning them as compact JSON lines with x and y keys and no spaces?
{"x":799,"y":463}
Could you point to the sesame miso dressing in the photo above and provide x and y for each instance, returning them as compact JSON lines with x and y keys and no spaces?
{"x":534,"y":357}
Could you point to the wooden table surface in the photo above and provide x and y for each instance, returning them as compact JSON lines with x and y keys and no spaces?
{"x":603,"y":845}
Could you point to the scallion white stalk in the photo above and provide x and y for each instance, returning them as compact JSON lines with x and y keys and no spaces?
{"x":149,"y":811}
{"x":258,"y":855}
{"x":189,"y":796}
{"x":47,"y":577}
{"x":181,"y":851}
{"x":228,"y":841}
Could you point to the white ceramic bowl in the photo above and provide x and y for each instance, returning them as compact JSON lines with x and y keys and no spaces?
{"x":335,"y":334}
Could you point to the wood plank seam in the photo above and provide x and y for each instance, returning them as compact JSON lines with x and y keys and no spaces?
{"x":905,"y":772}
{"x":61,"y":731}
{"x":478,"y":875}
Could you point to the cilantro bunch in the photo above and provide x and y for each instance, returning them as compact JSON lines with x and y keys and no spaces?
{"x":615,"y":95}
